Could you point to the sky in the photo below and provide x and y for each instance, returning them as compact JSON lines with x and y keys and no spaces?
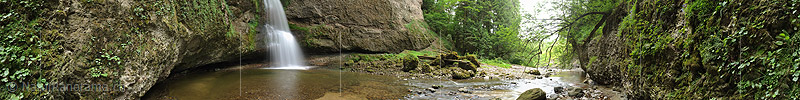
{"x":547,"y":10}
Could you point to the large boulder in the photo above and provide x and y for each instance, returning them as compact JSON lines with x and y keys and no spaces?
{"x":129,"y":46}
{"x":410,"y":62}
{"x":366,"y":26}
{"x":532,"y":94}
{"x":461,"y":73}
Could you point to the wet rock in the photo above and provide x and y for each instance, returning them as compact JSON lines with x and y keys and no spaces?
{"x":533,"y":72}
{"x":452,"y":93}
{"x":577,"y":92}
{"x":464,"y":90}
{"x":467,"y":65}
{"x":410,"y":63}
{"x":473,"y":60}
{"x":532,"y":94}
{"x":588,"y":81}
{"x":415,"y":92}
{"x":430,"y":89}
{"x":462,"y":74}
{"x":436,"y":86}
{"x":558,"y":89}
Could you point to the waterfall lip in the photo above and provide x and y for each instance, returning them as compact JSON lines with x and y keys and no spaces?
{"x":290,"y":67}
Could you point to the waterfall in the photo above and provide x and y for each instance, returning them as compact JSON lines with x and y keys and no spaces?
{"x":286,"y":54}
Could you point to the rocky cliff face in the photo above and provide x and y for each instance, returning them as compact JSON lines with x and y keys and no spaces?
{"x":699,"y":49}
{"x":366,"y":26}
{"x":131,"y":45}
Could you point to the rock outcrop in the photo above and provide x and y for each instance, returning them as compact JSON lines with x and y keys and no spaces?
{"x":128,"y":46}
{"x":364,"y":26}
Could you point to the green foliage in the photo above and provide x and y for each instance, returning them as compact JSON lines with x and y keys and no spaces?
{"x":728,"y":49}
{"x":591,"y":61}
{"x":197,"y":14}
{"x":295,"y":27}
{"x":106,"y":60}
{"x":499,"y":62}
{"x":486,"y":28}
{"x":24,"y":45}
{"x":418,"y":53}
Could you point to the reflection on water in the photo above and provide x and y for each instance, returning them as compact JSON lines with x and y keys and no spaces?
{"x":282,"y":84}
{"x":285,"y":81}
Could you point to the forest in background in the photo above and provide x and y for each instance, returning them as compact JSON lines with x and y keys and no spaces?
{"x":687,"y":49}
{"x":492,"y":29}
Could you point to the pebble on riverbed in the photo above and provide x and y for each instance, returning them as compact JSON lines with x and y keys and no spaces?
{"x":464,"y":90}
{"x":576,"y":92}
{"x":431,"y":89}
{"x":558,"y":89}
{"x":534,"y":72}
{"x":436,"y":86}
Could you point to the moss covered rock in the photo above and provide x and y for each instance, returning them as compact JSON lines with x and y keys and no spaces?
{"x":458,"y":73}
{"x":532,"y":94}
{"x":466,"y":65}
{"x":132,"y":45}
{"x":474,"y":60}
{"x":410,"y":62}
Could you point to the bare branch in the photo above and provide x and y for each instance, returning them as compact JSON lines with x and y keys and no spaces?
{"x":584,"y":15}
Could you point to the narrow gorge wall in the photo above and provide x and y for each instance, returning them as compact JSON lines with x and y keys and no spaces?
{"x":700,"y":49}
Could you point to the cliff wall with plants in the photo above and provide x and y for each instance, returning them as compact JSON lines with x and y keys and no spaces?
{"x":116,"y":49}
{"x":691,"y":49}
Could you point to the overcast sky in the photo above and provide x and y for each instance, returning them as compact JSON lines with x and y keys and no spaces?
{"x":547,"y":10}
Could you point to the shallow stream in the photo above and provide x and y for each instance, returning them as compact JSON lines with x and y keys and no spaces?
{"x":324,"y":84}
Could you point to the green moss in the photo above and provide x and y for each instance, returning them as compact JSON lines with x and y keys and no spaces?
{"x":496,"y":62}
{"x":295,"y":27}
{"x":591,"y":61}
{"x":461,"y":73}
{"x":410,"y":63}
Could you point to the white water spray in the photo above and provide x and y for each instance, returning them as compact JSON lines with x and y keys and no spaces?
{"x":286,"y":54}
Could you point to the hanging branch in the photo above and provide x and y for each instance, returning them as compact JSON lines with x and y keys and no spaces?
{"x":584,"y":15}
{"x":551,"y":50}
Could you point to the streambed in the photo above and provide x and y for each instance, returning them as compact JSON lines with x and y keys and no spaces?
{"x":327,"y":84}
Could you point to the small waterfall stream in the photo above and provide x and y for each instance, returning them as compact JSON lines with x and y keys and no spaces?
{"x":284,"y":48}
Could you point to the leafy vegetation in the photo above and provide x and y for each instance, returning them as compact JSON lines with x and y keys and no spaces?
{"x":24,"y":45}
{"x":486,"y":28}
{"x":496,"y":62}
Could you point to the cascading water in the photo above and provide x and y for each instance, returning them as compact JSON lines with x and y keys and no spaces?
{"x":284,"y":49}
